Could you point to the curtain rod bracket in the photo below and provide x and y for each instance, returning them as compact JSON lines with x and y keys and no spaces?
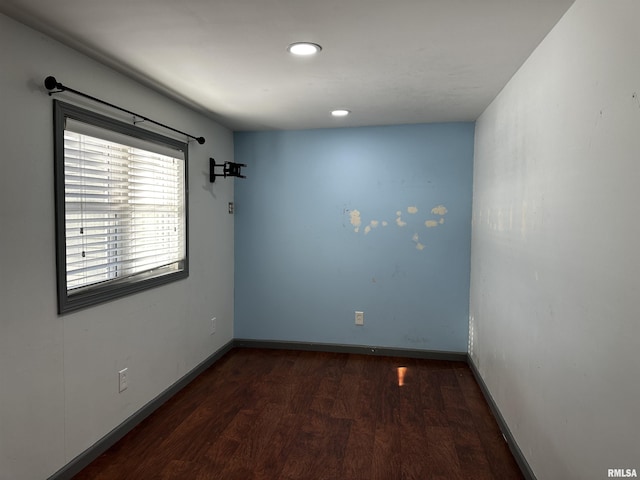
{"x":51,"y":83}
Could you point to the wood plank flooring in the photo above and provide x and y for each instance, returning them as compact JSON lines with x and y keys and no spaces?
{"x":289,"y":415}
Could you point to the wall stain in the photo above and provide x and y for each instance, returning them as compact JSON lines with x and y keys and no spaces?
{"x":439,"y":210}
{"x":397,"y":273}
{"x":356,"y":221}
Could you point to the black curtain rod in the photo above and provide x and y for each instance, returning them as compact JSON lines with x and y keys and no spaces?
{"x":50,"y":83}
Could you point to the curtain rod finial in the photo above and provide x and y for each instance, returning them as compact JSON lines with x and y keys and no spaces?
{"x":200,"y":140}
{"x":50,"y":83}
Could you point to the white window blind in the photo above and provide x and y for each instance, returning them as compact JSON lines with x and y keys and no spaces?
{"x":124,"y":206}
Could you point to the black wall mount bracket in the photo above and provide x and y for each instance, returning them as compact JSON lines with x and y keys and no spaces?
{"x":229,"y":169}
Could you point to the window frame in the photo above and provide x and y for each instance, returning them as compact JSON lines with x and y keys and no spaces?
{"x":112,"y":289}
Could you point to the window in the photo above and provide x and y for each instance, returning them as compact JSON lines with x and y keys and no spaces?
{"x":121,"y":208}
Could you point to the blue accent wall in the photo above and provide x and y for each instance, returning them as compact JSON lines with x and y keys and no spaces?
{"x":376,"y":219}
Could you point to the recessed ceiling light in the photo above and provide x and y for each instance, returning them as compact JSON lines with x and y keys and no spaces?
{"x":304,"y":48}
{"x":340,"y":113}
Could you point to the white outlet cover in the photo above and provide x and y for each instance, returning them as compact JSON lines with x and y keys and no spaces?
{"x":122,"y":380}
{"x":359,"y":318}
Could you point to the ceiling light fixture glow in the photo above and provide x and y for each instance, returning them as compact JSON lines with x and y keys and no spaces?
{"x":304,"y":49}
{"x":340,"y":113}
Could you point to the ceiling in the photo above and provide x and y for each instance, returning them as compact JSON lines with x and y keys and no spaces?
{"x":389,"y":62}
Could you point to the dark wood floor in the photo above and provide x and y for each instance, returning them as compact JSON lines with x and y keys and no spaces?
{"x":273,"y":414}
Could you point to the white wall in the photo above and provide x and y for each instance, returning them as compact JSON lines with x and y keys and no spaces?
{"x":555,"y":319}
{"x":58,"y":374}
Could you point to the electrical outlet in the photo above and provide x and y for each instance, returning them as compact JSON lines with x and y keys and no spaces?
{"x":231,"y":208}
{"x":122,"y":380}
{"x":213,"y":326}
{"x":360,"y":318}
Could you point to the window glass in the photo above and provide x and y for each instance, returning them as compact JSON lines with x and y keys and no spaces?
{"x":121,"y":208}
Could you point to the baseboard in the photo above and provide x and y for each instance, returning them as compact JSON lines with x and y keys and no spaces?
{"x":357,"y":349}
{"x":525,"y":468}
{"x":85,"y":458}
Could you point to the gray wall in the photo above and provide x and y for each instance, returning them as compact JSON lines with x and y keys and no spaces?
{"x":58,"y":374}
{"x":555,"y":271}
